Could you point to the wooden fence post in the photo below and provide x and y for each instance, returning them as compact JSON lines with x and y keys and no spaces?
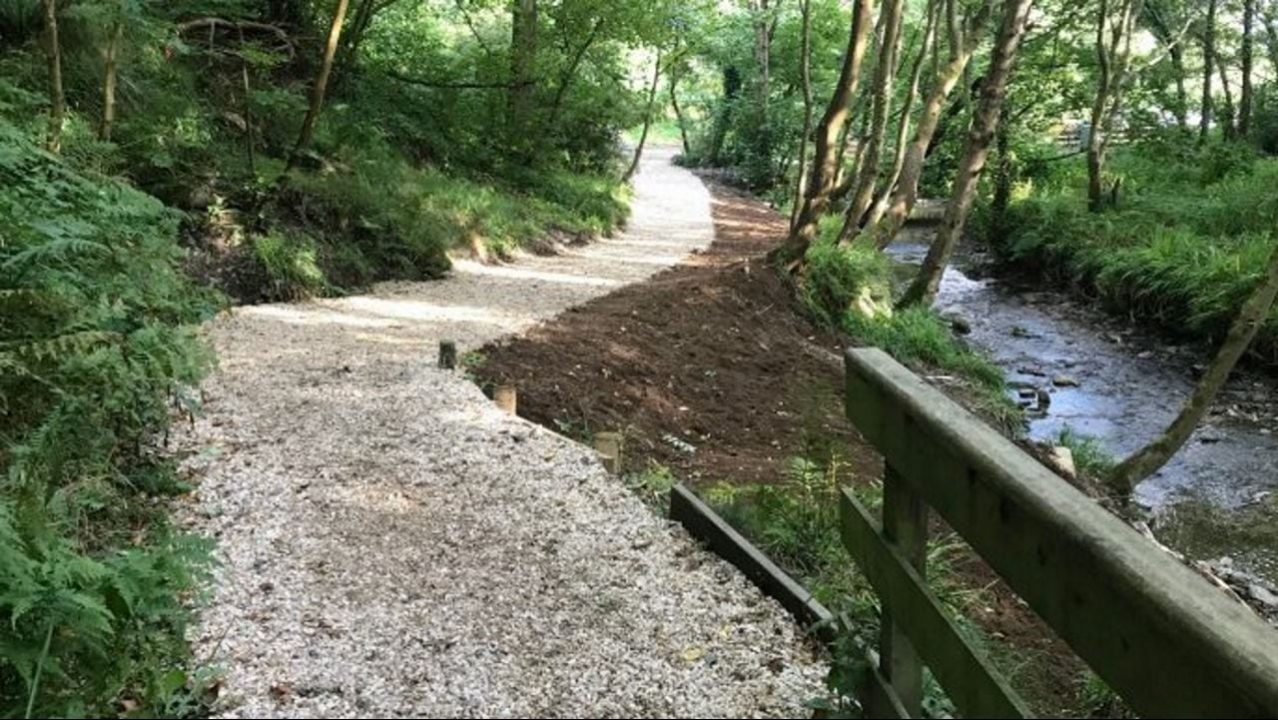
{"x":905,"y":529}
{"x":609,"y":447}
{"x":506,"y":398}
{"x":447,"y":354}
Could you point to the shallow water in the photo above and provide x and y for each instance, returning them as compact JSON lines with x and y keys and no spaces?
{"x":1129,"y":385}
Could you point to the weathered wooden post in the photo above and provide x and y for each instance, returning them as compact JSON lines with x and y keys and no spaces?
{"x":447,"y":354}
{"x":905,"y":529}
{"x":609,"y":446}
{"x":506,"y":398}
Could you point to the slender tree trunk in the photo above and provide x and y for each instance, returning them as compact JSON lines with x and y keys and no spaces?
{"x":647,"y":120}
{"x":868,"y":175}
{"x":1113,"y":53}
{"x":1161,"y":27}
{"x":1229,"y":127}
{"x":907,"y":189}
{"x":1209,"y":67}
{"x":1246,"y":52}
{"x":984,"y":124}
{"x":805,"y":78}
{"x":825,"y":170}
{"x":731,"y":90}
{"x":249,"y":143}
{"x":1182,"y":94}
{"x":1153,"y":456}
{"x":57,"y":100}
{"x":110,"y":64}
{"x":348,"y":53}
{"x":321,"y":85}
{"x":1271,"y":34}
{"x":1002,"y":177}
{"x":763,"y":84}
{"x":521,"y":102}
{"x":903,"y":127}
{"x":1096,"y":133}
{"x":683,"y":126}
{"x":570,"y":74}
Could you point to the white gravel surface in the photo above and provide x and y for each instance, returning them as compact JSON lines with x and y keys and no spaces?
{"x":394,"y":546}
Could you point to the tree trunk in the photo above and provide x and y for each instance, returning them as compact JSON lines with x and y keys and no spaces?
{"x":825,"y":170}
{"x":1161,"y":27}
{"x":903,"y":127}
{"x":321,"y":86}
{"x":1153,"y":456}
{"x":1002,"y":178}
{"x":647,"y":120}
{"x":1182,"y":94}
{"x":984,"y":124}
{"x":1271,"y":35}
{"x":521,"y":102}
{"x":570,"y":74}
{"x":57,"y":100}
{"x":354,"y":36}
{"x":1113,"y":52}
{"x":1229,"y":128}
{"x":249,"y":143}
{"x":1096,"y":133}
{"x":110,"y":58}
{"x":884,"y":75}
{"x":907,"y":188}
{"x":805,"y":77}
{"x":763,"y":82}
{"x":1209,"y":67}
{"x":683,"y":127}
{"x":731,"y":89}
{"x":1245,"y":52}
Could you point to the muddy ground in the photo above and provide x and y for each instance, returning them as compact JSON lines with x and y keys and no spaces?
{"x":709,"y":368}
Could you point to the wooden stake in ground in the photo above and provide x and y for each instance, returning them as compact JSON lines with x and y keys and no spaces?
{"x":321,"y":85}
{"x":979,"y":138}
{"x":506,"y":397}
{"x":447,"y":354}
{"x":1146,"y":461}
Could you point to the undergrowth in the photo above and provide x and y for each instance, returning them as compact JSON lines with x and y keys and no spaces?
{"x":1186,"y":244}
{"x":851,"y":289}
{"x":97,"y":347}
{"x":796,"y":523}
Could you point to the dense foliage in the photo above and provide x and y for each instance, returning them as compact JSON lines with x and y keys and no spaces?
{"x":96,"y":346}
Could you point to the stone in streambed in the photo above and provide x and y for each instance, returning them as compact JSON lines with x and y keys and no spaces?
{"x":959,"y":324}
{"x":1065,"y":381}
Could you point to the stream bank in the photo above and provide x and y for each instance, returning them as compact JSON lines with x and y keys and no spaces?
{"x":1091,"y":374}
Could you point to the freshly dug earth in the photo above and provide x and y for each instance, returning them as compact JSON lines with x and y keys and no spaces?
{"x":716,"y":353}
{"x":708,"y":368}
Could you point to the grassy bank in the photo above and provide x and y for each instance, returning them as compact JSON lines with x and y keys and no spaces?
{"x":852,"y":289}
{"x":1182,"y":250}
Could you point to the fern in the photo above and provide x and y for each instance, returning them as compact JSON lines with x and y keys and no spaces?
{"x":95,"y":336}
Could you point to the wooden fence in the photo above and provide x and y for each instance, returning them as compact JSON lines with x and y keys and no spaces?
{"x":1163,"y":638}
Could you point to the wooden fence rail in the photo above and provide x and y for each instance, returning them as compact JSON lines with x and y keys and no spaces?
{"x":1164,"y":639}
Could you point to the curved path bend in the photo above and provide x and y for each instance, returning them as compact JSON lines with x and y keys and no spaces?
{"x":392,"y":545}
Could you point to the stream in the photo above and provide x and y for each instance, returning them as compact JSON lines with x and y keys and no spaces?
{"x":1079,"y":368}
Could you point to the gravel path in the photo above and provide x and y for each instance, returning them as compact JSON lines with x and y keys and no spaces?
{"x":394,"y":546}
